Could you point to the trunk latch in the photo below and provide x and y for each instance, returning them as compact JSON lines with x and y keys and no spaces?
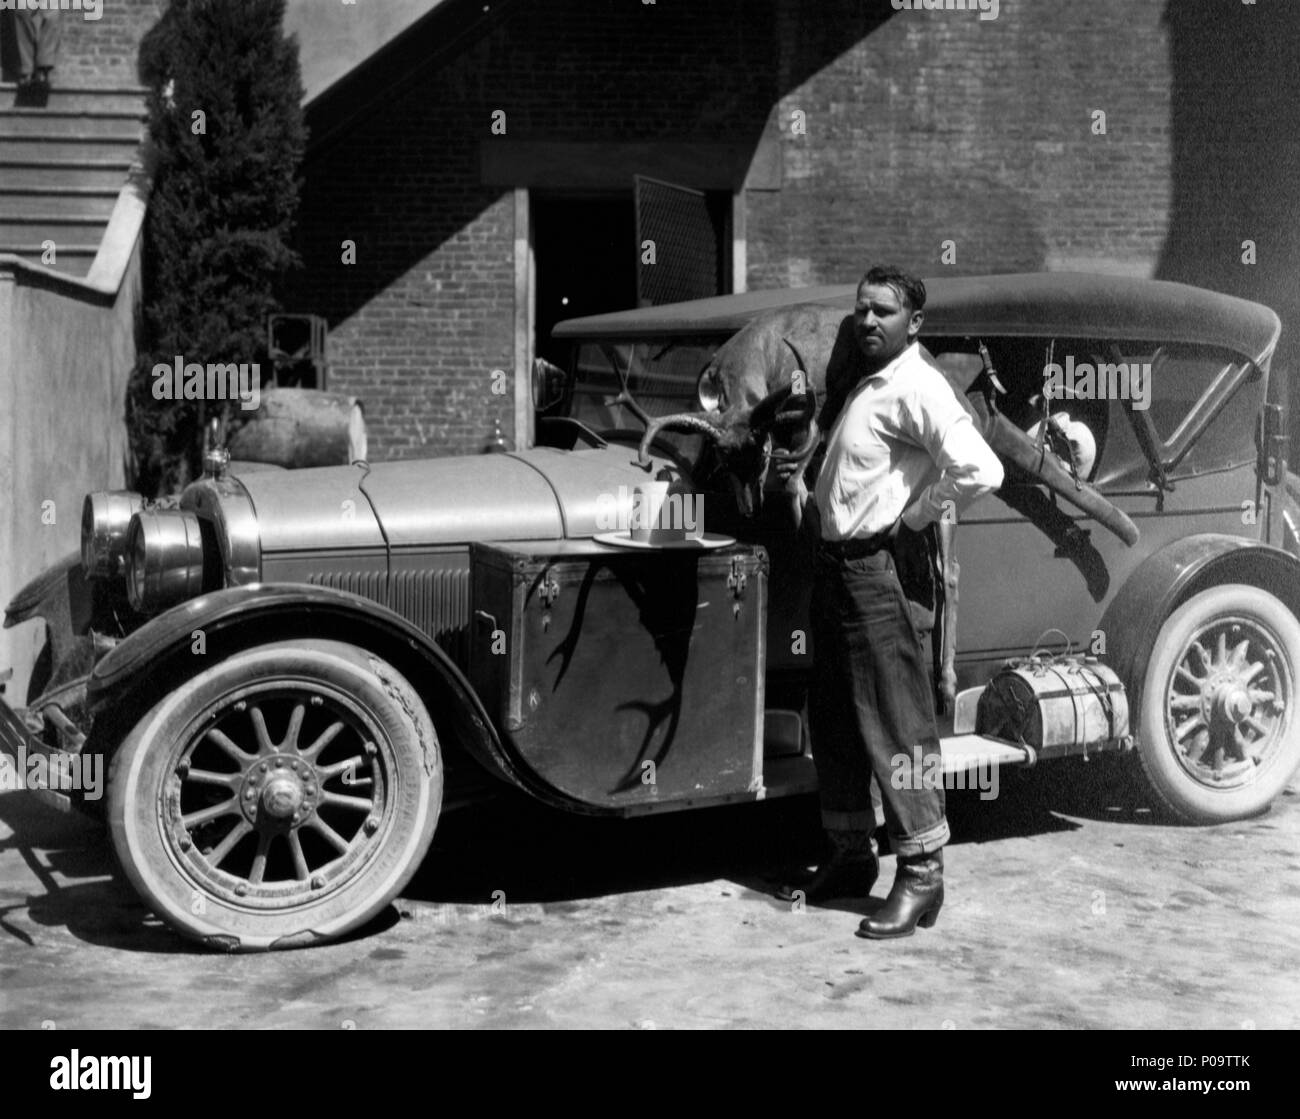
{"x":736,"y":582}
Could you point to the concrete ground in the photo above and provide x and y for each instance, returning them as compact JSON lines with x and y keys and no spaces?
{"x":1069,"y":905}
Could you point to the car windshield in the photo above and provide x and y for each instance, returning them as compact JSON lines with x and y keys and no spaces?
{"x":1201,"y":406}
{"x":1199,"y":402}
{"x":661,"y":375}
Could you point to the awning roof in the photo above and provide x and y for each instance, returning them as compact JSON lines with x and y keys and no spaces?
{"x":1026,"y":304}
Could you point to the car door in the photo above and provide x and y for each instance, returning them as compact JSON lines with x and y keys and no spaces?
{"x":1017,"y":586}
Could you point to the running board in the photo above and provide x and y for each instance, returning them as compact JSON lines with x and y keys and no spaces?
{"x":964,"y":752}
{"x":961,"y":754}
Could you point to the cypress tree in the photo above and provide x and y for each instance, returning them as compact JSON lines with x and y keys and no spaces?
{"x":227,"y":138}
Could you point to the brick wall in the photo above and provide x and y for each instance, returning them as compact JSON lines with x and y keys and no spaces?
{"x":1236,"y":161}
{"x":922,"y":127}
{"x":940,"y":126}
{"x":426,"y":314}
{"x":103,"y":51}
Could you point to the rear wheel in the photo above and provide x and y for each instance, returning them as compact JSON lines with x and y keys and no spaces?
{"x":280,"y":798}
{"x":1219,"y":735}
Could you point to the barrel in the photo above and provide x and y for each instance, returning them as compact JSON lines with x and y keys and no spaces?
{"x":1055,"y":702}
{"x":302,"y":427}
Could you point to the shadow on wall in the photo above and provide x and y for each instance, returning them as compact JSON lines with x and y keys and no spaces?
{"x":396,"y":148}
{"x":1235,"y":139}
{"x":901,"y":201}
{"x":998,"y":223}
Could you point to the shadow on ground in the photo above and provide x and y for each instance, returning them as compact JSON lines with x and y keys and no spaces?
{"x":538,"y":855}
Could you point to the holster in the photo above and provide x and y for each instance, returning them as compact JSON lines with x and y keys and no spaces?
{"x":920,"y":571}
{"x":928,"y":573}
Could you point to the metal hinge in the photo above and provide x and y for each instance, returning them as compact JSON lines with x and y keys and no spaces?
{"x":736,"y":581}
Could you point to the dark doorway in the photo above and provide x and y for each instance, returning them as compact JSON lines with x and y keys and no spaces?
{"x":585,"y":254}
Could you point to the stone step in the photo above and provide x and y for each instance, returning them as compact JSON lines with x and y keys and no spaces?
{"x":102,"y":173}
{"x":62,"y":166}
{"x":106,"y":171}
{"x":89,"y":202}
{"x":115,"y":99}
{"x":60,"y":122}
{"x":62,"y":229}
{"x":81,"y":146}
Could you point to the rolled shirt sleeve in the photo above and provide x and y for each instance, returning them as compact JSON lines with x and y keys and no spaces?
{"x":967,"y":465}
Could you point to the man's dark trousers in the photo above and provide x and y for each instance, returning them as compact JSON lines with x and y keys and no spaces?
{"x":872,"y":706}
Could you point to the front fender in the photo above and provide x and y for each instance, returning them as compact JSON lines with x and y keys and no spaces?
{"x":81,"y":617}
{"x":1169,"y":577}
{"x":164,"y":651}
{"x":63,"y":599}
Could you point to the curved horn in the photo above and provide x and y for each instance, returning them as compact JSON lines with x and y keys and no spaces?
{"x":763,"y":415}
{"x":1013,"y":446}
{"x":767,"y":413}
{"x":804,"y":450}
{"x":690,"y":420}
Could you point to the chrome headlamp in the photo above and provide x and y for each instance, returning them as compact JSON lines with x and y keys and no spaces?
{"x":164,"y":559}
{"x":105,"y":518}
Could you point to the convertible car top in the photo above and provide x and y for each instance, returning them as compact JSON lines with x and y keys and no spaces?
{"x":1013,"y":305}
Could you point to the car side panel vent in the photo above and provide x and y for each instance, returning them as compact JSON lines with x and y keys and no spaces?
{"x":437,"y":600}
{"x":368,"y":584}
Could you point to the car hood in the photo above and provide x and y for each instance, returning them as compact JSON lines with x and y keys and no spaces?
{"x":539,"y":494}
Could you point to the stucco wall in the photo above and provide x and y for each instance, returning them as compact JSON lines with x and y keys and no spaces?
{"x":64,"y":363}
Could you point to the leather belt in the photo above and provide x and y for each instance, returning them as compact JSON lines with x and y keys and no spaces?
{"x":856,"y":547}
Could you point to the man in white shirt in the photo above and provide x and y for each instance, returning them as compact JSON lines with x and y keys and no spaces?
{"x":902,"y":453}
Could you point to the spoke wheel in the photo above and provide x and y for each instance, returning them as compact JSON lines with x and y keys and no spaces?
{"x":1219,"y":736}
{"x":280,"y":798}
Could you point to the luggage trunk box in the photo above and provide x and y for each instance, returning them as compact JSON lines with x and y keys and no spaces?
{"x":624,"y":678}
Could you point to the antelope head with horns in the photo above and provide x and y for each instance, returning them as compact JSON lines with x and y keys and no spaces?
{"x":761,"y":395}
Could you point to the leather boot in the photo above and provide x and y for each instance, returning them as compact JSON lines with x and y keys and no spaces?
{"x":914,"y":899}
{"x":850,"y":872}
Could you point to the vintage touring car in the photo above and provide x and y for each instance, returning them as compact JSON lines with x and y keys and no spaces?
{"x":291,"y":674}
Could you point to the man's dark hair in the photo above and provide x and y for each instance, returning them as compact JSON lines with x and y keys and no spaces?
{"x":908,"y":286}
